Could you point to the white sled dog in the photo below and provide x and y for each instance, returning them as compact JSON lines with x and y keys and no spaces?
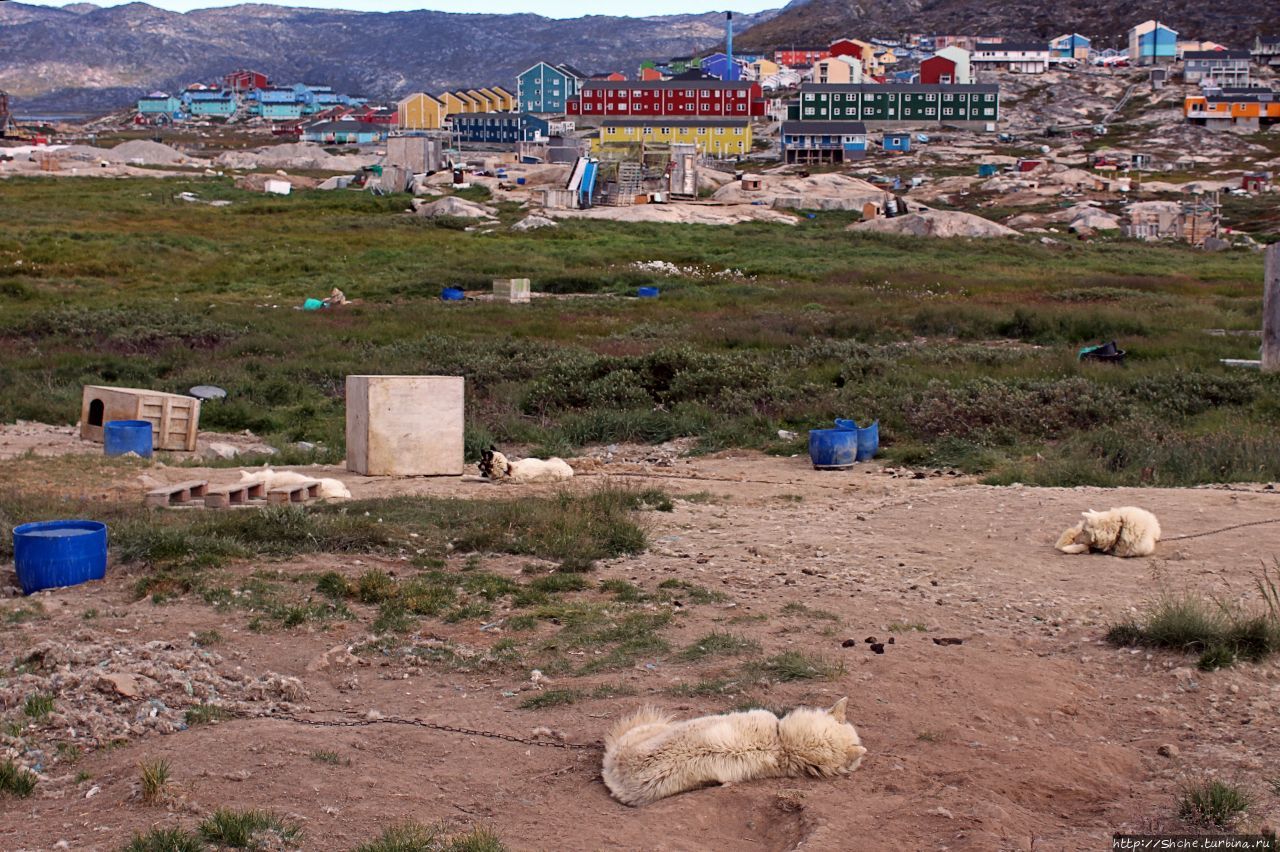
{"x":648,"y":755}
{"x":1127,"y":531}
{"x":330,"y":489}
{"x":494,"y":465}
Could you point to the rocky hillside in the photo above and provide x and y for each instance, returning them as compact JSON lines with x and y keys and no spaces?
{"x":85,"y":58}
{"x":816,"y":22}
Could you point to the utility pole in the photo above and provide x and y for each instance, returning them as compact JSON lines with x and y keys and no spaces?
{"x":1271,"y":311}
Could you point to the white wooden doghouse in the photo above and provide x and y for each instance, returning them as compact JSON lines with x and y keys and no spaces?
{"x":174,"y":418}
{"x":515,"y":290}
{"x":405,"y":425}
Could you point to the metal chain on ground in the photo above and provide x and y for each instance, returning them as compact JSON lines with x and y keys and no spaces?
{"x":1223,"y":529}
{"x":419,"y":723}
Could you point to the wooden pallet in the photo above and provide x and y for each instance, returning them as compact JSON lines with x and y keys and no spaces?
{"x":182,"y":494}
{"x":235,"y":495}
{"x":303,"y":492}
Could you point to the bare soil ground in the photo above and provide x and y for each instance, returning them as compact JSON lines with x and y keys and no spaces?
{"x":1032,"y":734}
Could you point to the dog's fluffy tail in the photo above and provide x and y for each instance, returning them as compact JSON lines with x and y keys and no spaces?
{"x":646,"y":715}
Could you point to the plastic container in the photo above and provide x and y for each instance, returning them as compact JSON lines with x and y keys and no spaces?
{"x":453,"y":294}
{"x":520,"y":181}
{"x":869,"y":441}
{"x":647,"y":292}
{"x":833,"y":449}
{"x":845,"y":424}
{"x":51,"y":554}
{"x":127,"y":436}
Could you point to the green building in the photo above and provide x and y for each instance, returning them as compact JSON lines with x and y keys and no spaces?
{"x":975,"y":105}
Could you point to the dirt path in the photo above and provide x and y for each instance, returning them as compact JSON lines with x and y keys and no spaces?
{"x":1030,"y":734}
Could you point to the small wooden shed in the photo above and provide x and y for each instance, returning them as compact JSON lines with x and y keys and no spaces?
{"x":174,"y":418}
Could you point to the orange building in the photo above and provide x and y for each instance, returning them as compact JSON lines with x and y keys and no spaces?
{"x":1246,"y":108}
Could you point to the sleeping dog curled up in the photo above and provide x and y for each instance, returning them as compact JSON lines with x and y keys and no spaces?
{"x":649,"y":756}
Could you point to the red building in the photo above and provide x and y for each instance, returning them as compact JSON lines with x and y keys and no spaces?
{"x":373,"y":115}
{"x":677,"y":98}
{"x":937,"y":70}
{"x":650,"y":74}
{"x":799,"y":58}
{"x":246,"y":81}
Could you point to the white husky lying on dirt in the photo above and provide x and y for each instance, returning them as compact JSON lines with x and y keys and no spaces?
{"x":494,"y":465}
{"x":1127,"y":531}
{"x":330,"y":489}
{"x":648,"y":756}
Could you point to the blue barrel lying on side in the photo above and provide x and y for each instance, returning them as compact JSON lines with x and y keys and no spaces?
{"x":453,"y":294}
{"x":51,"y":554}
{"x":833,"y":449}
{"x":127,"y":436}
{"x":647,"y":292}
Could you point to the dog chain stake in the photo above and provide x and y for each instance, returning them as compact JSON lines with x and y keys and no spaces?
{"x":419,"y":723}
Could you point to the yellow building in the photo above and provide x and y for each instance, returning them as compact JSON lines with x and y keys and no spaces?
{"x":470,"y":103}
{"x":765,"y":68}
{"x":837,"y":70}
{"x":479,"y":96}
{"x":420,"y":111}
{"x":723,"y":137}
{"x":506,"y":100}
{"x":453,"y":105}
{"x":492,"y":102}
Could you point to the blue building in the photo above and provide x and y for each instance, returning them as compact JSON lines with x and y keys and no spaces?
{"x":499,"y":128}
{"x":345,"y":133}
{"x":544,"y":89}
{"x":897,"y":142}
{"x":1071,"y":46}
{"x":209,"y":102}
{"x":1151,"y":43}
{"x":224,"y":107}
{"x":717,"y":65}
{"x":160,"y":103}
{"x":823,"y":141}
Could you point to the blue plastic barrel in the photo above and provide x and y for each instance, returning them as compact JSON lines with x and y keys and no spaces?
{"x":453,"y":294}
{"x":833,"y":449}
{"x":868,"y":441}
{"x":647,"y":292}
{"x":845,"y":424}
{"x":127,"y":436}
{"x":51,"y":554}
{"x":520,"y":181}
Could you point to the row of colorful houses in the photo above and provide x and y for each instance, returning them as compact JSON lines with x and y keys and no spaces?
{"x":246,"y":92}
{"x":421,"y":111}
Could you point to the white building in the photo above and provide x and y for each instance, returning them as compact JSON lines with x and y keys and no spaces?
{"x":1025,"y":58}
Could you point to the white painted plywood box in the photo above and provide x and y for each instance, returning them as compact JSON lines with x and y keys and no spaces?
{"x":405,"y":425}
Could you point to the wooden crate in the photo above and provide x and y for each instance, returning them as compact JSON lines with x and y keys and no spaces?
{"x":174,"y":418}
{"x":405,"y":425}
{"x":515,"y":290}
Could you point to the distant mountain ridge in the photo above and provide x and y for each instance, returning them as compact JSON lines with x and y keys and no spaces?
{"x":814,"y":23}
{"x":91,"y":59}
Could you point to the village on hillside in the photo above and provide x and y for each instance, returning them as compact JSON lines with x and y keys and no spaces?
{"x":933,"y":131}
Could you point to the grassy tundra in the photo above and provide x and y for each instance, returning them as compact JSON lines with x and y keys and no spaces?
{"x":964,"y":350}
